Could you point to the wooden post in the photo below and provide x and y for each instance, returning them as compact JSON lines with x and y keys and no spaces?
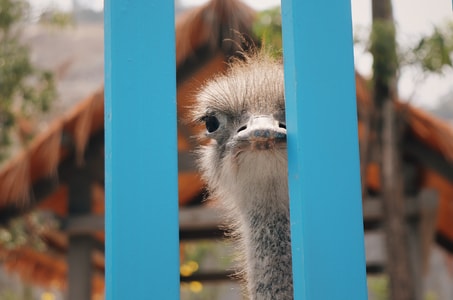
{"x":80,"y":244}
{"x":389,"y":148}
{"x":323,"y":156}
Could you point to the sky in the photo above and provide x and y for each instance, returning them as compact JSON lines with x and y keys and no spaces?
{"x":414,"y":18}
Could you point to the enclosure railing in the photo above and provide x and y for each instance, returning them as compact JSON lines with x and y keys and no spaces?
{"x":142,"y":252}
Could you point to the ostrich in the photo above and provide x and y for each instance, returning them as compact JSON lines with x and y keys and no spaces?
{"x":245,"y":167}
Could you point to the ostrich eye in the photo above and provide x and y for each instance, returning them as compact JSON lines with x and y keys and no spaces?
{"x":212,"y":123}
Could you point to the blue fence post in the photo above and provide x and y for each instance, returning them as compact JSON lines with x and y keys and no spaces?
{"x":324,"y":178}
{"x":142,"y":254}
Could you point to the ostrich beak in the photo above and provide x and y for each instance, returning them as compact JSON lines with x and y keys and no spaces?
{"x":262,"y":132}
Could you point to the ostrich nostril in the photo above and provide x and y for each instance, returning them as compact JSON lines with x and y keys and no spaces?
{"x":282,"y":125}
{"x":242,"y":128}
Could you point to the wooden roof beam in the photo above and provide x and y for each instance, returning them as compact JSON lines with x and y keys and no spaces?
{"x":429,"y":157}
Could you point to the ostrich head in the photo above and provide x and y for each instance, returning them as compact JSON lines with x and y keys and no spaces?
{"x":245,"y":167}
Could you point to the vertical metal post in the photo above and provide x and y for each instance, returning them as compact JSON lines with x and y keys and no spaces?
{"x":142,"y":256}
{"x":323,"y":156}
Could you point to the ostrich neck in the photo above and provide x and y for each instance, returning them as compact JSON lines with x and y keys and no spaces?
{"x":266,"y":236}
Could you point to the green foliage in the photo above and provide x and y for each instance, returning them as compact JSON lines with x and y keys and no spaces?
{"x":383,"y":48}
{"x":24,"y":88}
{"x":268,"y":27}
{"x":433,"y":52}
{"x":26,"y":231}
{"x":10,"y":294}
{"x":203,"y":253}
{"x":201,"y":257}
{"x":57,"y":18}
{"x":431,"y":295}
{"x":11,"y":12}
{"x":378,"y":287}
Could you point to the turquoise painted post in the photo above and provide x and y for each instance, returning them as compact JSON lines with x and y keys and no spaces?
{"x":325,"y":196}
{"x":142,"y":254}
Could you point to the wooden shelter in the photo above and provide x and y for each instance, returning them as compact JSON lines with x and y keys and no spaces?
{"x":428,"y":159}
{"x":62,"y":169}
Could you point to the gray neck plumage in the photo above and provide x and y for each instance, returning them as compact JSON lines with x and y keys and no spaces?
{"x":256,"y":201}
{"x":267,"y":249}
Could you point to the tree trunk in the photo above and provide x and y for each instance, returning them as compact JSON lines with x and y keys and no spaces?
{"x":398,"y":267}
{"x":385,"y":66}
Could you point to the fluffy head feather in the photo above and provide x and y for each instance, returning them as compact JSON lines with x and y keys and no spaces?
{"x":253,"y":87}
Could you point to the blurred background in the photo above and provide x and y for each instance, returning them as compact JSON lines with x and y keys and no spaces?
{"x":52,"y":143}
